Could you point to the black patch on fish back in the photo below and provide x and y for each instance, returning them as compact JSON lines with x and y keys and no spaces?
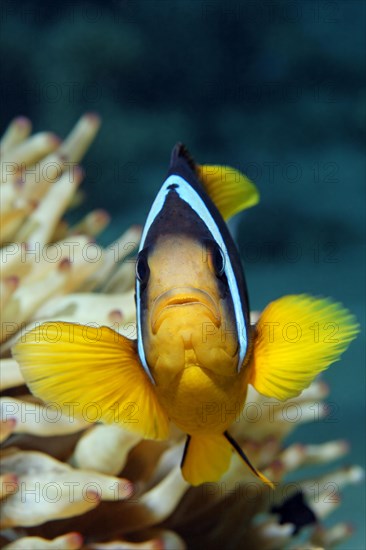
{"x":296,"y":511}
{"x":177,"y":217}
{"x":182,"y":164}
{"x":181,"y":154}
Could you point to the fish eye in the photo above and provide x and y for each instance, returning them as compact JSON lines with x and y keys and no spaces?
{"x":218,"y":260}
{"x":142,"y":268}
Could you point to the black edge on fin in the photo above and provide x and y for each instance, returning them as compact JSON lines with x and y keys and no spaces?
{"x":244,"y":457}
{"x":181,"y":153}
{"x":185,"y":450}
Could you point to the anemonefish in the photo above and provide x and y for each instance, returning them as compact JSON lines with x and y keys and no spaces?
{"x":196,"y":351}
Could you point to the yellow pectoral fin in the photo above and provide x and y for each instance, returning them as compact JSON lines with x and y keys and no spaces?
{"x":298,"y":336}
{"x":206,"y":458}
{"x":93,"y":373}
{"x":229,"y":189}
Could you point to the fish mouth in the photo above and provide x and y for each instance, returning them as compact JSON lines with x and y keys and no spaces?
{"x":183,"y":297}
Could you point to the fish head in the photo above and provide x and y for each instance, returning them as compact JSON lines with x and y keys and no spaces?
{"x":189,"y":287}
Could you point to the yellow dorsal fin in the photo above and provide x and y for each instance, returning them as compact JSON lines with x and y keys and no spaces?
{"x":229,"y":189}
{"x":298,"y":336}
{"x":93,"y":373}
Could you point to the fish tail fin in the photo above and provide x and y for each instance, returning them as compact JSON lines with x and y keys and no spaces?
{"x":297,"y":337}
{"x":206,"y":458}
{"x":92,"y":372}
